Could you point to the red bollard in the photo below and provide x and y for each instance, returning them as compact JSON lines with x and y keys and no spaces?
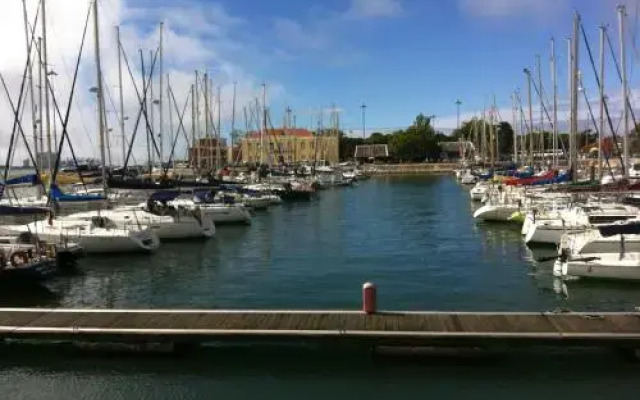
{"x":369,"y":298}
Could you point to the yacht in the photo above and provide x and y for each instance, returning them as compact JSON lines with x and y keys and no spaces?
{"x":218,"y":213}
{"x":98,"y":234}
{"x":550,"y":227}
{"x":607,"y":252}
{"x":479,"y":191}
{"x":168,"y":223}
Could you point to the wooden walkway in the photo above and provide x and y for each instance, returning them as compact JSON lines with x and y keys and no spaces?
{"x":384,"y":328}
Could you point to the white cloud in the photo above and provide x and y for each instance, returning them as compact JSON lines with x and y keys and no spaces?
{"x":511,"y":8}
{"x":196,"y":37}
{"x":294,"y":35}
{"x":374,"y":9}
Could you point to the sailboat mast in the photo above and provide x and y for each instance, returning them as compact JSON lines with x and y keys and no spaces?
{"x":45,"y":66}
{"x":96,"y":32}
{"x":554,"y":78}
{"x":515,"y":127}
{"x":170,"y":122}
{"x":495,"y":132}
{"x":40,"y":108}
{"x":601,"y":127}
{"x":152,"y":160}
{"x":233,"y":117}
{"x":197,"y":122}
{"x":264,"y":119}
{"x":206,"y":118}
{"x":218,"y":132}
{"x":34,"y":111}
{"x":120,"y":89}
{"x":531,"y":157}
{"x":194,"y":149}
{"x":569,"y":95}
{"x":574,"y":93}
{"x":161,"y":95}
{"x":625,"y":90}
{"x":483,"y":139}
{"x":541,"y":98}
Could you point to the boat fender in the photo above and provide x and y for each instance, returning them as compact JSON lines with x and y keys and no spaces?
{"x":18,"y":258}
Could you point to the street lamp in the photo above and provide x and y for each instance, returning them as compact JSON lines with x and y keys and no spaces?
{"x":364,"y":108}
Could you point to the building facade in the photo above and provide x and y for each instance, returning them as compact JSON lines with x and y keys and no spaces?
{"x":204,"y":154}
{"x":289,"y":146}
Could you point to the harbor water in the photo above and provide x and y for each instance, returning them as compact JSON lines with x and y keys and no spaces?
{"x":413,"y":236}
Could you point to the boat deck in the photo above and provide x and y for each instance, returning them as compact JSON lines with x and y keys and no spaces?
{"x":383,"y":328}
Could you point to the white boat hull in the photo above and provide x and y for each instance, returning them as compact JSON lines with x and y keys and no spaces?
{"x":233,"y":214}
{"x":624,"y":269}
{"x":498,"y":213}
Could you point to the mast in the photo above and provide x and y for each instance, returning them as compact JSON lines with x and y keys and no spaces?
{"x":233,"y":118}
{"x":152,"y":160}
{"x":483,"y":139}
{"x":491,"y":138}
{"x":515,"y":127}
{"x":34,"y":110}
{"x":124,"y":136}
{"x":145,"y":104}
{"x":625,"y":90}
{"x":96,"y":32}
{"x":569,"y":95}
{"x":40,"y":108}
{"x":541,"y":98}
{"x":574,"y":94}
{"x":495,"y":132}
{"x":198,"y":156}
{"x":45,"y":66}
{"x":554,"y":78}
{"x":170,"y":122}
{"x":194,"y":159}
{"x":206,"y":119}
{"x":531,"y":158}
{"x":218,"y":132}
{"x":160,"y":96}
{"x":264,"y":119}
{"x":601,"y":127}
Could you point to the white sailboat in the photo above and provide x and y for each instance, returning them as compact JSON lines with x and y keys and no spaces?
{"x":99,"y":234}
{"x":577,"y":219}
{"x":168,"y":223}
{"x":619,"y":266}
{"x":218,"y":213}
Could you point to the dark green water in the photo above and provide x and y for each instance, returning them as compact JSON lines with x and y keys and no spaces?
{"x":414,"y":237}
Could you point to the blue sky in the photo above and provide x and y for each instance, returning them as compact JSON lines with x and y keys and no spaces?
{"x":402,"y":57}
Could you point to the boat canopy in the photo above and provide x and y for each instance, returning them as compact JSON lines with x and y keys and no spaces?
{"x":59,"y":196}
{"x":31,"y":179}
{"x":164,"y":195}
{"x":628,"y":228}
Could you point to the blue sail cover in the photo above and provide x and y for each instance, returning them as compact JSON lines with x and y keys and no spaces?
{"x":164,"y":195}
{"x":561,"y":178}
{"x":61,"y":197}
{"x":628,"y":228}
{"x":31,"y":180}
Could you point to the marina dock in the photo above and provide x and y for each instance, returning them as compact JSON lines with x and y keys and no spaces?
{"x":436,"y":329}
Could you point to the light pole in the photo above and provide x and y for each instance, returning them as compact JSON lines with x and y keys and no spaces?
{"x":458,"y":104}
{"x":364,"y":108}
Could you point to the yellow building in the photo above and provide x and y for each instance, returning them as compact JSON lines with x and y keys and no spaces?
{"x":289,"y":146}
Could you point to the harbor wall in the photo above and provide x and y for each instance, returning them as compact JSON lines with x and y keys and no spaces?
{"x":412,"y":169}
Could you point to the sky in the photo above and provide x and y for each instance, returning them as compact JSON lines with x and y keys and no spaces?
{"x":399,"y":57}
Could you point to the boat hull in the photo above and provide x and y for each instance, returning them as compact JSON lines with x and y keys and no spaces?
{"x":598,"y":270}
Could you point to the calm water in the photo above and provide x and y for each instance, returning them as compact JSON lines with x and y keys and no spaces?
{"x":414,"y":237}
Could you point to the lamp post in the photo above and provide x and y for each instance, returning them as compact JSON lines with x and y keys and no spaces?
{"x":364,"y":108}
